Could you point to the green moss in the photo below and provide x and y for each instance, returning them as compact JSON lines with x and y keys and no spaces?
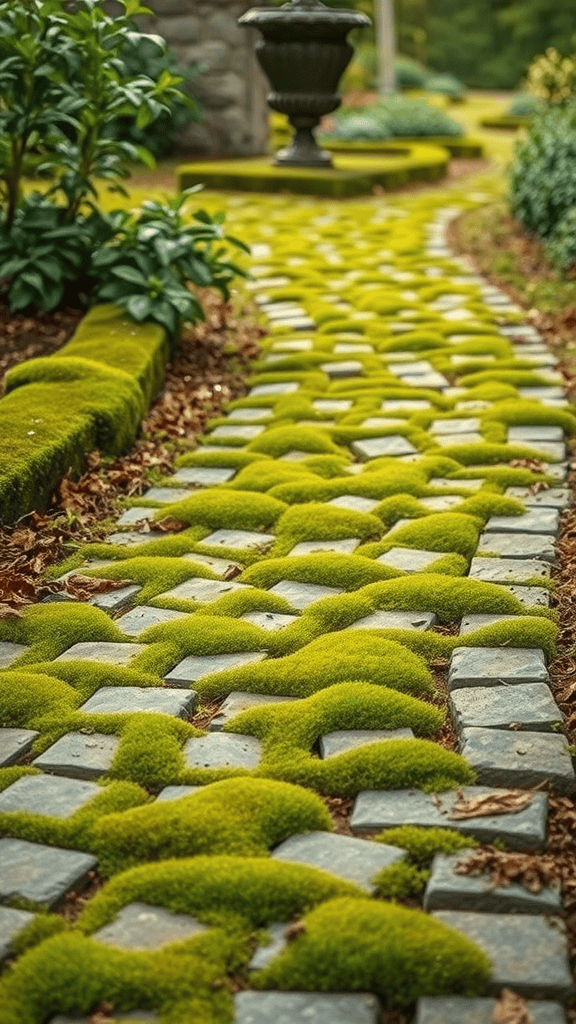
{"x":329,"y":659}
{"x":400,"y":880}
{"x":223,"y":460}
{"x":445,"y":531}
{"x":242,"y":817}
{"x":41,"y":927}
{"x":26,"y":697}
{"x":258,"y":890}
{"x":50,"y":629}
{"x":449,"y":597}
{"x":221,"y":508}
{"x":317,"y":521}
{"x":280,"y":440}
{"x":359,"y":946}
{"x":346,"y":571}
{"x":422,"y":844}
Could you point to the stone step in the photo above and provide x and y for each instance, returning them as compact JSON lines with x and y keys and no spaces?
{"x":460,"y":1010}
{"x":522,"y":759}
{"x":447,"y":889}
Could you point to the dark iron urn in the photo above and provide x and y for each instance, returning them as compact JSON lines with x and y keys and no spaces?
{"x":304,"y":52}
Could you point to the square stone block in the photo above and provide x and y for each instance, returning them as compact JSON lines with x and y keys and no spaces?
{"x":11,"y":922}
{"x":203,"y":476}
{"x":379,"y":809}
{"x":175,"y":792}
{"x":222,"y":750}
{"x":453,"y":485}
{"x":349,"y":739}
{"x":434,"y":381}
{"x":270,"y":621}
{"x":529,"y":706}
{"x":355,"y":502}
{"x":249,"y":413}
{"x":381,"y":422}
{"x":332,"y":405}
{"x":528,"y":952}
{"x":345,"y":368}
{"x":41,"y":874}
{"x":537,"y":520}
{"x":244,"y":432}
{"x":309,"y":547}
{"x":120,"y":699}
{"x":203,"y":590}
{"x":79,"y":755}
{"x":518,"y":545}
{"x":470,"y":623}
{"x":238,"y":701}
{"x":127,"y":540}
{"x":447,"y":889}
{"x":396,"y":620}
{"x":194,"y":667}
{"x":455,"y":426}
{"x":539,"y":432}
{"x":239,"y":539}
{"x":441,"y":502}
{"x":408,"y":404}
{"x":103,"y":653}
{"x":376,"y":447}
{"x":295,"y":455}
{"x":139,"y":619}
{"x":286,"y":388}
{"x":137,"y":514}
{"x":542,"y":394}
{"x":551,"y":497}
{"x":14,"y":744}
{"x":305,"y":1008}
{"x":301,"y":595}
{"x":410,"y":559}
{"x":460,"y":1010}
{"x":356,"y":860}
{"x":522,"y":759}
{"x":47,"y":794}
{"x":116,"y":600}
{"x":219,"y":566}
{"x":9,"y":652}
{"x":508,"y":570}
{"x":447,"y":440}
{"x":140,"y":926}
{"x":495,"y":666}
{"x":530,"y":597}
{"x":413,"y":366}
{"x":166,"y":495}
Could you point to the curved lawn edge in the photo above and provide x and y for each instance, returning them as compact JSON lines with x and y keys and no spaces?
{"x":92,"y":393}
{"x":457,"y":145}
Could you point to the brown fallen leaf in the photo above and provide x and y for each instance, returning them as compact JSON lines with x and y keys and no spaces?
{"x":168,"y":525}
{"x":294,"y":930}
{"x":534,"y":871}
{"x":511,"y":1009}
{"x":231,"y":572}
{"x":83,"y":587}
{"x":510,"y":802}
{"x":534,"y":465}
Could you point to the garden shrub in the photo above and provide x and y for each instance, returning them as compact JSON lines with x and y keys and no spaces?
{"x":551,"y":78}
{"x":542,"y":183}
{"x":525,"y":105}
{"x":446,"y":85}
{"x":364,"y":946}
{"x":391,"y":117}
{"x":561,"y":246}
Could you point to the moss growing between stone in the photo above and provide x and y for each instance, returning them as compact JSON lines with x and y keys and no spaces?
{"x":316,"y":521}
{"x":329,"y":569}
{"x":49,"y":629}
{"x":450,"y":598}
{"x":359,"y":946}
{"x":327,"y":660}
{"x":221,"y":508}
{"x":222,"y":460}
{"x":279,"y":440}
{"x":422,"y":844}
{"x":400,"y":881}
{"x":258,"y":890}
{"x":445,"y":531}
{"x":243,"y":817}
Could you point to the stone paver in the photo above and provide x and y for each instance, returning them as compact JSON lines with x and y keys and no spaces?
{"x":15,"y":744}
{"x":40,"y":874}
{"x":79,"y":755}
{"x":120,"y":699}
{"x":103,"y":653}
{"x":537,"y":520}
{"x":140,"y":926}
{"x":529,"y":953}
{"x":396,"y":620}
{"x":222,"y":750}
{"x":47,"y":794}
{"x":550,"y":497}
{"x":376,"y":447}
{"x":300,"y":595}
{"x":494,"y":666}
{"x":194,"y":667}
{"x":238,"y":701}
{"x":470,"y":623}
{"x":203,"y":476}
{"x":448,"y":889}
{"x":139,"y":619}
{"x":305,"y":1008}
{"x":238,"y":539}
{"x":166,"y":495}
{"x":342,"y":740}
{"x":265,"y":954}
{"x":460,"y":1010}
{"x":508,"y":570}
{"x":409,"y":559}
{"x":219,"y":566}
{"x":524,"y":706}
{"x":200,"y":589}
{"x":380,"y":809}
{"x":270,"y":621}
{"x":9,"y":652}
{"x":176,"y":792}
{"x":116,"y":600}
{"x":309,"y":547}
{"x":521,"y":759}
{"x":11,"y":922}
{"x":517,"y":545}
{"x":138,"y":514}
{"x":356,"y":860}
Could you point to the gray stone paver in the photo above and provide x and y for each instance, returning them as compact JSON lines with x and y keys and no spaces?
{"x":376,"y":447}
{"x":141,"y":926}
{"x":200,"y":589}
{"x":539,"y":432}
{"x":549,"y":497}
{"x":47,"y":794}
{"x":219,"y":566}
{"x":270,"y":621}
{"x":536,"y":520}
{"x":356,"y":860}
{"x":103,"y":653}
{"x":410,"y":559}
{"x":121,"y":699}
{"x":528,"y":706}
{"x":448,"y":889}
{"x":176,"y":792}
{"x":194,"y":667}
{"x":222,"y":750}
{"x":166,"y":495}
{"x":342,"y":740}
{"x":470,"y":623}
{"x":494,"y":666}
{"x":238,"y":539}
{"x":265,"y":954}
{"x":203,"y":476}
{"x":238,"y":701}
{"x":11,"y":922}
{"x":309,"y":547}
{"x":9,"y":652}
{"x":15,"y":744}
{"x":462,"y":1010}
{"x":396,"y":620}
{"x":305,"y":1008}
{"x":381,"y":809}
{"x":300,"y":595}
{"x":517,"y":545}
{"x":116,"y":600}
{"x":508,"y":570}
{"x":139,"y":619}
{"x":138,"y":514}
{"x":528,"y":952}
{"x":530,"y":597}
{"x":79,"y":755}
{"x":40,"y":874}
{"x":522,"y":759}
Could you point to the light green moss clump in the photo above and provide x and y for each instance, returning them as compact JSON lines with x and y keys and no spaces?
{"x":50,"y":629}
{"x":221,"y":508}
{"x":422,"y":844}
{"x":364,"y":946}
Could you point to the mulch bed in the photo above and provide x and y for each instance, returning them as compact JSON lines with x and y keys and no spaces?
{"x":26,"y":337}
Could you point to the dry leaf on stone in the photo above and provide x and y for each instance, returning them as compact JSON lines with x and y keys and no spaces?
{"x":534,"y":871}
{"x":509,"y":802}
{"x":167,"y":525}
{"x":294,"y":930}
{"x":84,"y":587}
{"x":511,"y":1009}
{"x":231,"y":572}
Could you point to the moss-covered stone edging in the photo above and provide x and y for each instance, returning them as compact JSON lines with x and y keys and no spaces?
{"x":506,"y":121}
{"x":369,"y":491}
{"x":398,"y":164}
{"x":457,"y":146}
{"x":92,"y":394}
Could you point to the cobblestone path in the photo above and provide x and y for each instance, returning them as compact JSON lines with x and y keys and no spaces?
{"x":371,"y":490}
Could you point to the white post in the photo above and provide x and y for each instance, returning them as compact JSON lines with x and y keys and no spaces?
{"x":385,"y":45}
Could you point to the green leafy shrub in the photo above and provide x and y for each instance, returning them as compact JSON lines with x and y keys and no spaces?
{"x":446,"y":85}
{"x":542,"y":180}
{"x":392,"y":117}
{"x":525,"y":105}
{"x":552,"y":78}
{"x":561,"y":247}
{"x":410,"y":73}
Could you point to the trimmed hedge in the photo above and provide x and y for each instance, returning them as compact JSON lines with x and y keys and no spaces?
{"x":92,"y":394}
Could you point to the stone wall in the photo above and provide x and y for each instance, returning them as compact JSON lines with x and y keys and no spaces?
{"x":230,"y":87}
